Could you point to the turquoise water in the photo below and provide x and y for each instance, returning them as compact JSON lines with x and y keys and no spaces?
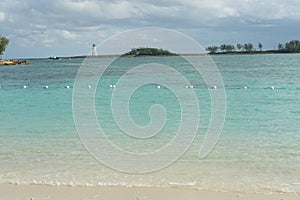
{"x":258,"y":150}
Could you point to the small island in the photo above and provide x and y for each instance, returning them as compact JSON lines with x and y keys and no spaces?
{"x":146,"y":51}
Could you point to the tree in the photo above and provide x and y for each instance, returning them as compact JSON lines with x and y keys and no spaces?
{"x":239,"y":46}
{"x":280,"y":47}
{"x":260,"y":46}
{"x":248,"y":47}
{"x":229,"y":48}
{"x":223,"y":47}
{"x":212,"y":49}
{"x":292,"y":46}
{"x":3,"y":43}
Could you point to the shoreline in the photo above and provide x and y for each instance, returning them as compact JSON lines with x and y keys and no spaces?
{"x":121,"y":56}
{"x":33,"y":192}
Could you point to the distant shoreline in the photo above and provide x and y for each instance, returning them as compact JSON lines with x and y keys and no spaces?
{"x":111,"y":56}
{"x":188,"y":54}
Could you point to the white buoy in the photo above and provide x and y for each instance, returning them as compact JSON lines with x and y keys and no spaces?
{"x":89,"y":87}
{"x":110,"y":86}
{"x":246,"y":88}
{"x":214,"y":87}
{"x":68,"y":87}
{"x":46,"y":87}
{"x":24,"y":86}
{"x":186,"y":86}
{"x":114,"y":86}
{"x":158,"y":86}
{"x":273,"y":88}
{"x":191,"y":86}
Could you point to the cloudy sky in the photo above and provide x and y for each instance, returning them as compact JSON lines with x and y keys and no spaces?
{"x":69,"y":27}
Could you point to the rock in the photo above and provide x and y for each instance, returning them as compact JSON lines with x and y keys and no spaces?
{"x":13,"y":62}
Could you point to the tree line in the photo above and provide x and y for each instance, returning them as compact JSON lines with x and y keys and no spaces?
{"x":292,"y":46}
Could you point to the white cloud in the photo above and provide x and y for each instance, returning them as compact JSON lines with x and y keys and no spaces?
{"x":2,"y":16}
{"x":121,"y":10}
{"x":80,"y":7}
{"x":211,"y":9}
{"x":100,"y":9}
{"x":68,"y":35}
{"x":267,"y":9}
{"x":59,"y":23}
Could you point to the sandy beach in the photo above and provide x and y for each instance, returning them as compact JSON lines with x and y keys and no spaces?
{"x":39,"y":192}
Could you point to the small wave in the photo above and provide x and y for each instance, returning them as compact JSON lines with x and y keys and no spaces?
{"x":262,"y":189}
{"x":72,"y":183}
{"x":182,"y":184}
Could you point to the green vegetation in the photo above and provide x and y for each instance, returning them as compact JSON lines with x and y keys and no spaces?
{"x":248,"y":48}
{"x":260,"y":46}
{"x":227,"y":48}
{"x":3,"y":43}
{"x":212,"y":49}
{"x":292,"y":47}
{"x":144,"y":51}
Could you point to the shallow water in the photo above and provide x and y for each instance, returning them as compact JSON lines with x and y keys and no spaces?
{"x":258,"y":150}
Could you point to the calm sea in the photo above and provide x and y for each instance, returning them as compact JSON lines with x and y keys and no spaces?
{"x":258,"y":150}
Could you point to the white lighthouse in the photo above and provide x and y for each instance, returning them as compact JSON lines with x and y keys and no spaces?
{"x":94,"y":50}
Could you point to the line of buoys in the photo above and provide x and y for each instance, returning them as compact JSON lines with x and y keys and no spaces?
{"x":158,"y":87}
{"x":45,"y":87}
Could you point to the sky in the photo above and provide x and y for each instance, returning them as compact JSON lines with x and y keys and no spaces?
{"x":69,"y":27}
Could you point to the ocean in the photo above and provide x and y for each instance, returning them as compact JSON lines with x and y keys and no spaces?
{"x":258,"y":150}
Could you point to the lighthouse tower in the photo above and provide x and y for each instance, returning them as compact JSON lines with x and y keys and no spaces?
{"x":94,"y":50}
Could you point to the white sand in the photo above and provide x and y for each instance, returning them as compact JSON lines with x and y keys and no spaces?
{"x":40,"y":192}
